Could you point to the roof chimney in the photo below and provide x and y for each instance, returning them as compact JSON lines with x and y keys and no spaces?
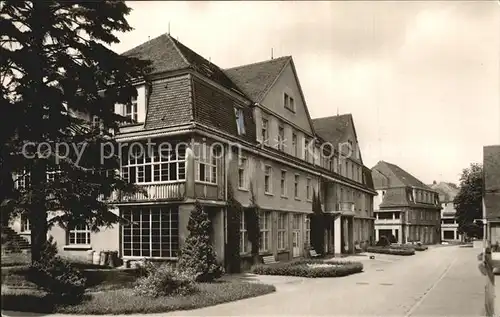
{"x":434,"y":183}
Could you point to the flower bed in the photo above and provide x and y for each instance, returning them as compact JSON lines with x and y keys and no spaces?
{"x":391,"y":250}
{"x":309,"y":268}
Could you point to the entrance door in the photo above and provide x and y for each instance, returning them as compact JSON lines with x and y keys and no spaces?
{"x":296,"y":236}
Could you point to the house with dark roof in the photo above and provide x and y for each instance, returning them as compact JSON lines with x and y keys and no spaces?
{"x":491,"y":192}
{"x":356,"y":221}
{"x":405,"y":209}
{"x":449,"y":225}
{"x":208,"y":130}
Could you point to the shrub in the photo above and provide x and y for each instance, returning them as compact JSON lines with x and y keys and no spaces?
{"x":163,"y":280}
{"x":301,"y":268}
{"x":198,"y":256}
{"x":11,"y":246}
{"x":420,"y":248}
{"x":55,"y":275}
{"x":389,"y":250}
{"x":383,"y":242}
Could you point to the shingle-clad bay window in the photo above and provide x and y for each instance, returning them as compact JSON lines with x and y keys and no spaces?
{"x":151,"y":232}
{"x":160,"y":164}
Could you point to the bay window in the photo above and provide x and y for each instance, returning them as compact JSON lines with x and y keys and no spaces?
{"x":151,"y":232}
{"x":163,"y":164}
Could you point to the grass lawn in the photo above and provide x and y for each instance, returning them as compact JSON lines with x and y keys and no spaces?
{"x":123,"y":301}
{"x":15,"y":259}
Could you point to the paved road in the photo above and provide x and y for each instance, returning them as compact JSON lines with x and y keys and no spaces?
{"x":443,"y":281}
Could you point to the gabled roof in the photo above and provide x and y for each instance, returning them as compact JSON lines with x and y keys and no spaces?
{"x":491,"y":170}
{"x":396,"y":176}
{"x":447,"y":191}
{"x":168,"y":54}
{"x":332,"y":129}
{"x":256,"y":79}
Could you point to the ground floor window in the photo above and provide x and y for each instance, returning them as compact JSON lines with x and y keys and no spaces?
{"x":25,"y":224}
{"x":448,"y":234}
{"x":308,"y":232}
{"x":79,"y":234}
{"x":265,"y":232}
{"x":151,"y":232}
{"x":243,"y":234}
{"x":282,"y":232}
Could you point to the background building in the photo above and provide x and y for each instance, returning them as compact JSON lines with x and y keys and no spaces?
{"x":449,"y":225}
{"x":405,"y":207}
{"x":491,"y":195}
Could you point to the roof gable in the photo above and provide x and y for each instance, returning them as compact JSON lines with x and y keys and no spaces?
{"x":396,"y":176}
{"x":337,"y":129}
{"x":256,"y":79}
{"x":446,"y":191}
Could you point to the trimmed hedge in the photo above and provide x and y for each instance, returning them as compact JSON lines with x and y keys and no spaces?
{"x":420,"y":248}
{"x":390,"y":250}
{"x":301,"y":268}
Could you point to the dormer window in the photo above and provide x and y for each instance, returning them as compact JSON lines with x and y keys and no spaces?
{"x":240,"y":122}
{"x":131,"y":110}
{"x":289,"y":102}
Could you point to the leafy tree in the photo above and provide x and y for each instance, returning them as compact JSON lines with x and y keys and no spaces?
{"x":317,"y":225}
{"x":197,"y":255}
{"x":57,"y":74}
{"x":468,"y":201}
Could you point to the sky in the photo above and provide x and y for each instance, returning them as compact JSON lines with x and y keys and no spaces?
{"x":421,"y":79}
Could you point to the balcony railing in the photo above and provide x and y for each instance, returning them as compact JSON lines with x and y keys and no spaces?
{"x":389,"y":221}
{"x":345,"y":206}
{"x":168,"y":191}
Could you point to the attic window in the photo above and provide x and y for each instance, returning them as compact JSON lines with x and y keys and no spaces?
{"x":240,"y":122}
{"x":288,"y":102}
{"x":131,"y":110}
